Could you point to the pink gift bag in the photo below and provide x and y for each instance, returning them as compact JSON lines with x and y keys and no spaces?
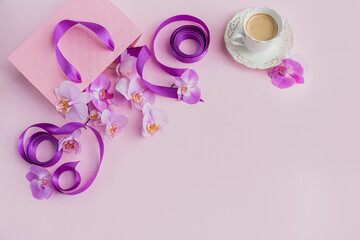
{"x":36,"y":58}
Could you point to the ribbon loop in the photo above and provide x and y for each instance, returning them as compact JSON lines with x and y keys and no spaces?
{"x":28,"y":153}
{"x":200,"y":35}
{"x":61,"y":29}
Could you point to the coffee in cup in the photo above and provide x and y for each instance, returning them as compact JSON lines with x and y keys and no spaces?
{"x":259,"y":29}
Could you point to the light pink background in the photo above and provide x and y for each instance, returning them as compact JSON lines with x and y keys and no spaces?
{"x":253,"y":162}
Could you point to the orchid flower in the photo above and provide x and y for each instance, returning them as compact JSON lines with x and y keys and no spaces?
{"x":72,"y":101}
{"x":188,"y":91}
{"x":113,"y":123}
{"x":287,"y":74}
{"x":71,"y":142}
{"x":127,"y":66}
{"x":99,"y":88}
{"x":154,"y":120}
{"x":39,"y":179}
{"x":126,"y":70}
{"x":140,"y":94}
{"x":95,"y":115}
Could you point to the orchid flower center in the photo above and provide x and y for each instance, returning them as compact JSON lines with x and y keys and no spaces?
{"x":63,"y":105}
{"x":113,"y":130}
{"x":69,"y":145}
{"x":127,"y":73}
{"x":183,"y":89}
{"x":138,"y":97}
{"x":95,"y":115}
{"x":153,"y":127}
{"x":282,"y":70}
{"x":44,"y":183}
{"x":104,"y":94}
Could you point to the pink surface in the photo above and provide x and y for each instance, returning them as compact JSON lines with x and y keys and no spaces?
{"x":252,"y":162}
{"x":36,"y":58}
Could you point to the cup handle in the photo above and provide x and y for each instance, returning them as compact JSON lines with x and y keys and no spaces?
{"x":237,"y":39}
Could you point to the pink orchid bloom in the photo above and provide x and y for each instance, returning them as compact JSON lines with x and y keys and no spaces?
{"x":113,"y":123}
{"x":127,"y":66}
{"x":154,"y":120}
{"x":188,"y":91}
{"x":95,"y":115}
{"x":140,"y":94}
{"x":287,"y":74}
{"x":71,"y":142}
{"x":72,"y":101}
{"x":40,"y":184}
{"x":99,"y":88}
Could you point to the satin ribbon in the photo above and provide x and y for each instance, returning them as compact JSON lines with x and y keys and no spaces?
{"x":180,"y":34}
{"x":61,"y":29}
{"x":28,"y":153}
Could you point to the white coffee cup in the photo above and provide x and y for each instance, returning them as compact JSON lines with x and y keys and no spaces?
{"x":242,"y":38}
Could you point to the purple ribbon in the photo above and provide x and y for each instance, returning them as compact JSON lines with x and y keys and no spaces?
{"x":61,"y":29}
{"x":28,"y":153}
{"x":180,"y":34}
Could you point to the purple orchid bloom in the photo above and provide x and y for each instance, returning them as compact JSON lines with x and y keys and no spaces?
{"x":72,"y":101}
{"x":287,"y":74}
{"x":99,"y":88}
{"x":140,"y":94}
{"x":71,"y":142}
{"x":188,"y":91}
{"x":40,"y":184}
{"x":113,"y":123}
{"x":154,"y":120}
{"x":127,"y":66}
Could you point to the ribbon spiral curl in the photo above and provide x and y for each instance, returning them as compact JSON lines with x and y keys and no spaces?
{"x":28,"y":153}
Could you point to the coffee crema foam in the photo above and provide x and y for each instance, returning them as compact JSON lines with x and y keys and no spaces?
{"x":262,"y":27}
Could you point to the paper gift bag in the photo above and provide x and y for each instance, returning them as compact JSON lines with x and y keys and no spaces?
{"x":36,"y":58}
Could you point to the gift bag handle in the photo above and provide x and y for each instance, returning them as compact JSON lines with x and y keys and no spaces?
{"x":61,"y":28}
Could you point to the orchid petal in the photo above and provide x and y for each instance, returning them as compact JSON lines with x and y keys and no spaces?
{"x":78,"y":113}
{"x":85,"y":97}
{"x":39,"y":193}
{"x":122,"y":87}
{"x":102,"y":82}
{"x":99,"y":104}
{"x":192,"y":95}
{"x":190,"y":77}
{"x":136,"y":85}
{"x":293,"y":66}
{"x":31,"y":176}
{"x":68,"y":90}
{"x":282,"y":81}
{"x":76,"y":134}
{"x":40,"y":172}
{"x":119,"y":120}
{"x":105,"y":116}
{"x":118,"y":99}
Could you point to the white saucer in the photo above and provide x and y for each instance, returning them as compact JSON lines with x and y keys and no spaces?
{"x":260,"y":60}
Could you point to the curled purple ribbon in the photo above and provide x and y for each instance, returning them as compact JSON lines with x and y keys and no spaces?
{"x":61,"y":29}
{"x":28,"y":153}
{"x":180,"y":34}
